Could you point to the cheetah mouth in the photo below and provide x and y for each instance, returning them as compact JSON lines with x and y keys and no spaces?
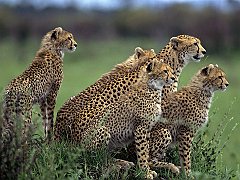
{"x":196,"y":57}
{"x":72,"y":49}
{"x":223,"y":88}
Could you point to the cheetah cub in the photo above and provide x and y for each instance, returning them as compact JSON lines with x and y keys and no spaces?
{"x":39,"y":83}
{"x":186,"y":112}
{"x":178,"y":53}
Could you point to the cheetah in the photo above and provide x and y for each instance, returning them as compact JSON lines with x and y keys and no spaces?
{"x":186,"y":112}
{"x":38,"y":84}
{"x":112,"y":111}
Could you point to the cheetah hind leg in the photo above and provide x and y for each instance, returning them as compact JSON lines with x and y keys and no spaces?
{"x":7,"y":123}
{"x":97,"y":139}
{"x":27,"y":117}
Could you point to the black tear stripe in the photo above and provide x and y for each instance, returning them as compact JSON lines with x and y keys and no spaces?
{"x":198,"y":48}
{"x":222,"y":81}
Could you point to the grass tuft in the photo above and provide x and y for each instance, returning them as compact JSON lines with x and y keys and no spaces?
{"x":30,"y":157}
{"x":17,"y":154}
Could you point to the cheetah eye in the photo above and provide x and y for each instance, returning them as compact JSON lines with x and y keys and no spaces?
{"x":165,"y":71}
{"x":69,"y":38}
{"x":220,"y":77}
{"x":195,"y":44}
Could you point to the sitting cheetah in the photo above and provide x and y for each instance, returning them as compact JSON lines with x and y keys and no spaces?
{"x":39,"y":83}
{"x":186,"y":112}
{"x":119,"y":108}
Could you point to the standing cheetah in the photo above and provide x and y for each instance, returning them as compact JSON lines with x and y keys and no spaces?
{"x":186,"y":112}
{"x":119,"y":108}
{"x":39,"y":83}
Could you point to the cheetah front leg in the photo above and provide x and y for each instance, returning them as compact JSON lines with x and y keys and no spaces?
{"x":185,"y":138}
{"x":160,"y":140}
{"x":141,"y":136}
{"x":49,"y":115}
{"x":43,"y":107}
{"x":99,"y":138}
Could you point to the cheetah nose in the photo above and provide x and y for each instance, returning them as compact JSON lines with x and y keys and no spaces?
{"x":226,"y":84}
{"x":173,"y":78}
{"x":204,"y":52}
{"x":75,"y":45}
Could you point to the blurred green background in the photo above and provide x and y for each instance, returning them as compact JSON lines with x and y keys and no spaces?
{"x":108,"y":33}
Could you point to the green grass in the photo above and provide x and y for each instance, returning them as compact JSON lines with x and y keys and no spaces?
{"x":84,"y":67}
{"x":39,"y":160}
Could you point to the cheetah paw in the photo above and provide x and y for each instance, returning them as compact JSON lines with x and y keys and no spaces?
{"x":151,"y":174}
{"x":174,"y":169}
{"x":122,"y":164}
{"x":190,"y":175}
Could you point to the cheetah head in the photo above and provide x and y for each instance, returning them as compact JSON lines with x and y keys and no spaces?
{"x":159,"y":74}
{"x":215,"y":78}
{"x":189,"y":47}
{"x":63,"y":40}
{"x":139,"y":56}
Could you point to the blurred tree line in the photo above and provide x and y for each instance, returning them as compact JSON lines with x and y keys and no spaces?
{"x":218,"y":29}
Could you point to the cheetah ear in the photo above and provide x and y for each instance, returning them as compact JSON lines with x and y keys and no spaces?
{"x":139,"y":52}
{"x":149,"y":67}
{"x":175,"y":41}
{"x":211,"y":66}
{"x":206,"y":71}
{"x":56,"y":32}
{"x":152,"y":50}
